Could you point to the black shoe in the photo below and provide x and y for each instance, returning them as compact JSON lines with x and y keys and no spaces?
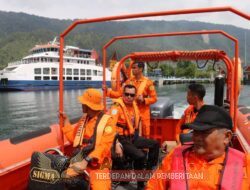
{"x":124,"y":183}
{"x":140,"y":185}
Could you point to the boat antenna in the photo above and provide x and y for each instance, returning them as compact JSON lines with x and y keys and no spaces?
{"x":54,"y":40}
{"x":245,"y":64}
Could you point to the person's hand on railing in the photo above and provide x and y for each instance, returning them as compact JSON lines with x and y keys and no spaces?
{"x":65,"y":117}
{"x":104,"y":89}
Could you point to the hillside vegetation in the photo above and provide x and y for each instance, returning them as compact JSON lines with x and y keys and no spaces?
{"x":19,"y":32}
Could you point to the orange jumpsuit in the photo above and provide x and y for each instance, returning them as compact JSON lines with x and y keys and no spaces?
{"x":209,"y":170}
{"x":188,"y":117}
{"x":150,"y":97}
{"x":102,"y":152}
{"x":127,"y":120}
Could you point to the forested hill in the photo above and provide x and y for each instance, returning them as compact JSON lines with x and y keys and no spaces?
{"x":19,"y":32}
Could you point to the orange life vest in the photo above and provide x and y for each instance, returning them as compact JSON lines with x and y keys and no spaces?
{"x":130,"y":125}
{"x":232,"y":176}
{"x":80,"y":131}
{"x":100,"y":129}
{"x":190,"y":114}
{"x":141,"y":87}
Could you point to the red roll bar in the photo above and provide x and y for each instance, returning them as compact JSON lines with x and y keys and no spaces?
{"x":190,"y":55}
{"x":109,"y":43}
{"x":131,"y":16}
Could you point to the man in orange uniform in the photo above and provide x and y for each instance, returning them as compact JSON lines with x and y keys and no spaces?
{"x":146,"y":95}
{"x":94,"y":134}
{"x":208,"y":164}
{"x":195,"y":95}
{"x":126,"y":115}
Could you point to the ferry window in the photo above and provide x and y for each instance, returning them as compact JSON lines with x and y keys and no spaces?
{"x":46,"y":78}
{"x":76,"y":78}
{"x":54,"y":71}
{"x":54,"y":78}
{"x":82,"y":78}
{"x":82,"y":71}
{"x":37,"y":71}
{"x":51,"y":60}
{"x":38,"y":78}
{"x":88,"y":78}
{"x":87,"y":62}
{"x":63,"y":78}
{"x":67,"y":60}
{"x":46,"y":71}
{"x":76,"y":71}
{"x":99,"y":73}
{"x":63,"y":71}
{"x":95,"y":72}
{"x":68,"y":78}
{"x":69,"y":71}
{"x":88,"y":72}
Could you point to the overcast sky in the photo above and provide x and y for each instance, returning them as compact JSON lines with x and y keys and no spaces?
{"x":80,"y":9}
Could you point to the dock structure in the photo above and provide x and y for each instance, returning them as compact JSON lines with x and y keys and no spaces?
{"x":161,"y":81}
{"x":246,"y":75}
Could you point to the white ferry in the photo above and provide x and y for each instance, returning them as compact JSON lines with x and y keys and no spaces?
{"x":40,"y":69}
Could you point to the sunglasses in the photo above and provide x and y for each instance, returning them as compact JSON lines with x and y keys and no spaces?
{"x":128,"y":94}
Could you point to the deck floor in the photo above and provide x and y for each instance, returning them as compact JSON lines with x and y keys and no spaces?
{"x":130,"y":186}
{"x":133,"y":185}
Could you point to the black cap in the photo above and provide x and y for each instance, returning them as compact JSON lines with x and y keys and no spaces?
{"x":209,"y":117}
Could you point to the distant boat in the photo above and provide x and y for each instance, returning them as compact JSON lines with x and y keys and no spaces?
{"x":40,"y":69}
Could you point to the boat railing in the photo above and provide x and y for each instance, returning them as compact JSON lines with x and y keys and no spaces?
{"x":17,"y":63}
{"x":232,"y":66}
{"x":49,"y":61}
{"x":180,"y":78}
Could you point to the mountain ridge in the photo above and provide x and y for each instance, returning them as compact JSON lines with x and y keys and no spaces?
{"x":19,"y":32}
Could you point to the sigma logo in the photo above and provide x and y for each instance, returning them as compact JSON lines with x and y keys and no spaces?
{"x":44,"y":175}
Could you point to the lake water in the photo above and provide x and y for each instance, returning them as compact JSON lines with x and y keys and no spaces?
{"x":21,"y":112}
